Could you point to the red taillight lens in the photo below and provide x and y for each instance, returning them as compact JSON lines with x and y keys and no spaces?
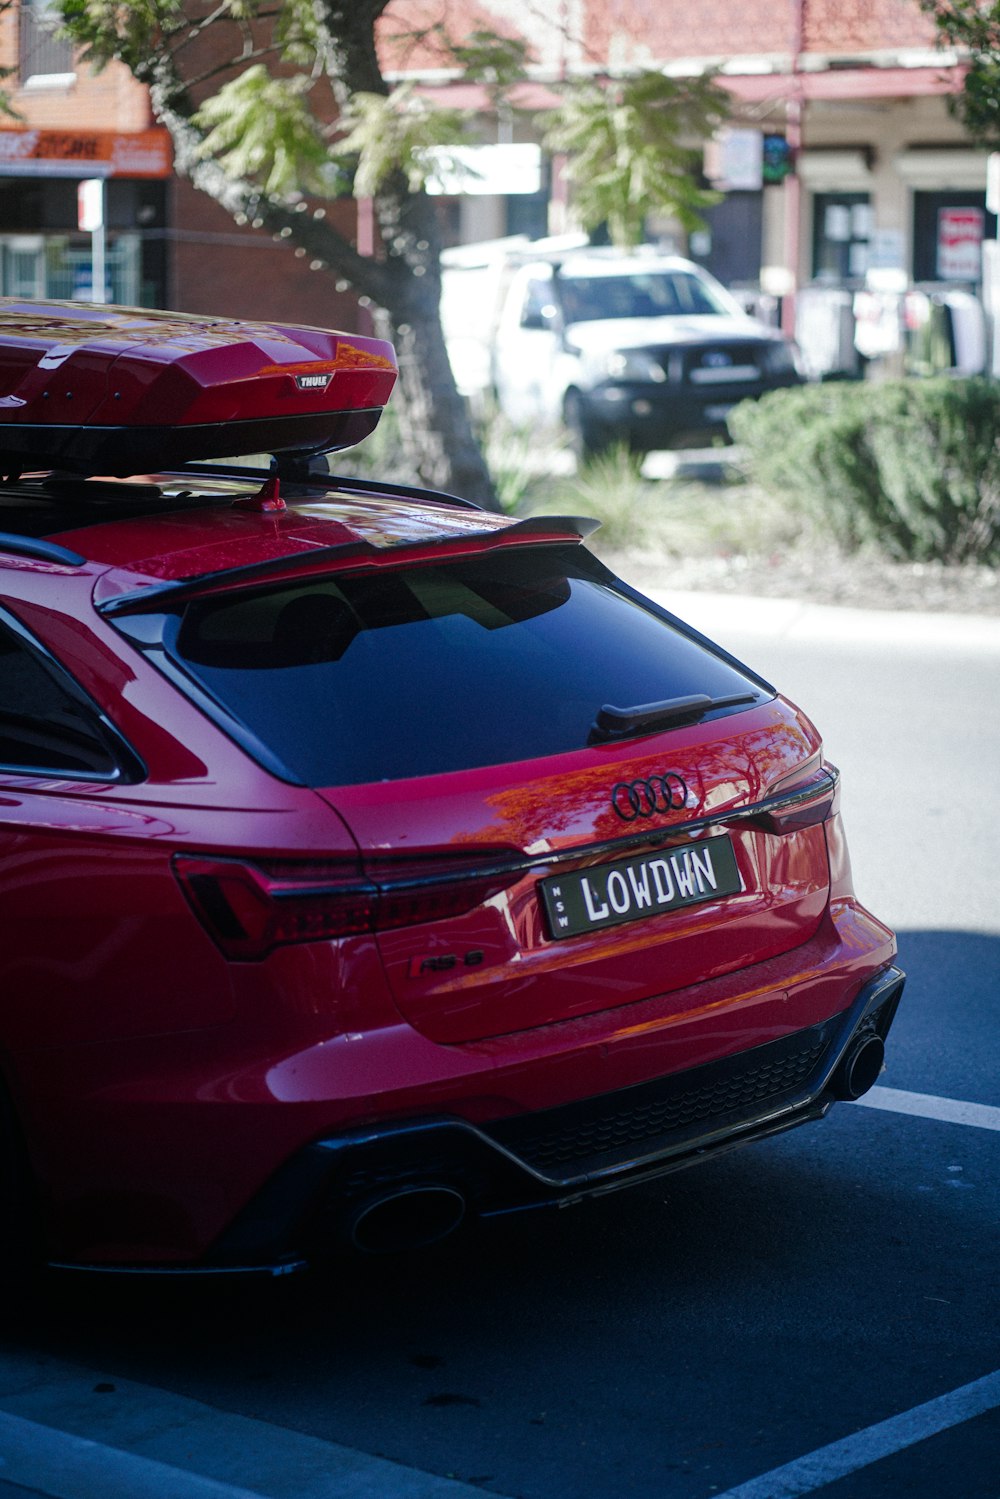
{"x":801,"y":803}
{"x":251,"y":908}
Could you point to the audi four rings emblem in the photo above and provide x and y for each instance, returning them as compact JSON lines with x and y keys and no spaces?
{"x":666,"y":793}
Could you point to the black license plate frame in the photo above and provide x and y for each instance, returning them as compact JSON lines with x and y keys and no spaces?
{"x":640,"y":887}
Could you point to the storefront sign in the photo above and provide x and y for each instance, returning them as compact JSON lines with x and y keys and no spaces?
{"x":84,"y":153}
{"x":734,"y":160}
{"x":960,"y":244}
{"x":491,"y":171}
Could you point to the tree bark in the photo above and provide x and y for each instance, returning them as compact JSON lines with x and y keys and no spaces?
{"x":403,"y":278}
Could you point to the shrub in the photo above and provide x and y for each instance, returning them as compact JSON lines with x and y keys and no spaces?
{"x":610,"y":488}
{"x":911,"y":467}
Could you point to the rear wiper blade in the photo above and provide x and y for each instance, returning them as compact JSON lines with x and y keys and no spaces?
{"x":625,"y":723}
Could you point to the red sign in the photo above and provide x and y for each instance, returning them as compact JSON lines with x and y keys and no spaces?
{"x":960,"y":244}
{"x":84,"y":153}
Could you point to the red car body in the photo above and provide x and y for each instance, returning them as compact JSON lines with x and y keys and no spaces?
{"x":252,"y":1011}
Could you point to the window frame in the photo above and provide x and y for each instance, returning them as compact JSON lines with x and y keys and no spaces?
{"x":37,"y":20}
{"x":127,"y":768}
{"x":157,"y":635}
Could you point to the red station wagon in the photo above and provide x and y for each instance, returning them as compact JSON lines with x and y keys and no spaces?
{"x":369,"y":861}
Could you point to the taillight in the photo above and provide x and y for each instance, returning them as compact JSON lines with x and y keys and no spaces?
{"x":249,"y":908}
{"x":802,"y":801}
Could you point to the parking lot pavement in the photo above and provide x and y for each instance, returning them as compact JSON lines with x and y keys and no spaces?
{"x":69,"y":1431}
{"x":815,"y":1315}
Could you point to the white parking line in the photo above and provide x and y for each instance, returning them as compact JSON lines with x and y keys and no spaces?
{"x":926,"y":1106}
{"x":827,"y":1464}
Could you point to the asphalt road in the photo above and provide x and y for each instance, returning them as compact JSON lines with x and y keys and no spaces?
{"x":816,"y":1314}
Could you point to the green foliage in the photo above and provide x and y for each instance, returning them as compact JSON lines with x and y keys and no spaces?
{"x":107,"y":29}
{"x":383,"y":134}
{"x":973,"y":26}
{"x":497,"y":62}
{"x":132,"y":29}
{"x":514,"y":456}
{"x":611,"y":489}
{"x":910,"y":468}
{"x":261,"y":127}
{"x":301,"y":36}
{"x":629,"y":152}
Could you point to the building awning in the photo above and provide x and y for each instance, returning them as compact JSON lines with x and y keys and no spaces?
{"x":84,"y":153}
{"x":844,"y":83}
{"x":777,"y":85}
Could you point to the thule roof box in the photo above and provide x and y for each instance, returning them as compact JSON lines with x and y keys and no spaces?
{"x":122,"y":390}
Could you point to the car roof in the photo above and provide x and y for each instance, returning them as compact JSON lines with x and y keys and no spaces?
{"x":614,"y":263}
{"x":171,"y":531}
{"x":109,"y":409}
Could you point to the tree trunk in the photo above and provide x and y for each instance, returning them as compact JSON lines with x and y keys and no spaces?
{"x":403,"y":279}
{"x":436,"y":432}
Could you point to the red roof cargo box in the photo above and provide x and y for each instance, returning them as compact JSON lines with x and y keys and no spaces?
{"x":120,"y":390}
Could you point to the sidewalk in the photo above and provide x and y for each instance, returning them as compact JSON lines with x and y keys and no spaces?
{"x":68,"y":1432}
{"x":728,"y":618}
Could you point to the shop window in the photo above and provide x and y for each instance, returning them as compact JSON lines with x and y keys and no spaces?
{"x":843,"y":224}
{"x":44,"y":56}
{"x":948,"y":233}
{"x":57,"y":266}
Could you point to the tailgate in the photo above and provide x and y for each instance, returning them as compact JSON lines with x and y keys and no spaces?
{"x":595,"y":878}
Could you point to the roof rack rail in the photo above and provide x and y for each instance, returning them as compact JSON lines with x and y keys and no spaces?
{"x":408,"y":491}
{"x":310,"y":478}
{"x":42,"y":551}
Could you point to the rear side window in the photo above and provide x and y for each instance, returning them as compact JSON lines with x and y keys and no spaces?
{"x":46,"y":728}
{"x":384,"y":675}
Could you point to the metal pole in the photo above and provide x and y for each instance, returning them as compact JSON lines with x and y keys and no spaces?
{"x":793,"y":183}
{"x":98,"y":255}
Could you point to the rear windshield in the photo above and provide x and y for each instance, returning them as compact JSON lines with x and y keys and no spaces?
{"x":384,"y":675}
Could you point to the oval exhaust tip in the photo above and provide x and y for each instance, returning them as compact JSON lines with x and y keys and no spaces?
{"x":861,"y":1068}
{"x":413,"y":1217}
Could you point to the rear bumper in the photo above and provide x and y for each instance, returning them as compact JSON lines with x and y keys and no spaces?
{"x":566,"y":1154}
{"x":288,"y":1127}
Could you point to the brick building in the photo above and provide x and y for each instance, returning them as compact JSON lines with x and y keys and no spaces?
{"x":851,"y":94}
{"x":166,"y":245}
{"x":843,"y":103}
{"x":70,"y":125}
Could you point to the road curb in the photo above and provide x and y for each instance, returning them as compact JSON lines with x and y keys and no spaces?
{"x":69,"y":1433}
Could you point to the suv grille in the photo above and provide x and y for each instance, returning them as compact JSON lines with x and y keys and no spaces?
{"x":723,"y":364}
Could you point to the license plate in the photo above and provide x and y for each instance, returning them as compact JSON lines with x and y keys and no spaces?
{"x":645,"y":885}
{"x":728,"y":374}
{"x":717,"y":413}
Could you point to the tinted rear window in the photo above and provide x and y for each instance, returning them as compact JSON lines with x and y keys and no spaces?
{"x":380,"y":676}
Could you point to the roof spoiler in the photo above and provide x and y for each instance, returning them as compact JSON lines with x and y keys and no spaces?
{"x":543,"y":527}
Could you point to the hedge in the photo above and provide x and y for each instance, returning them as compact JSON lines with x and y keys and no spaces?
{"x":911,"y":467}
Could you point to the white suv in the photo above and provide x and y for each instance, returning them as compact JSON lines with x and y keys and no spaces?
{"x":647,"y":349}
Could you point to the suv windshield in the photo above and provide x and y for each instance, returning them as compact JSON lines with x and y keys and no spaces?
{"x":382,"y":675}
{"x":642,"y":294}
